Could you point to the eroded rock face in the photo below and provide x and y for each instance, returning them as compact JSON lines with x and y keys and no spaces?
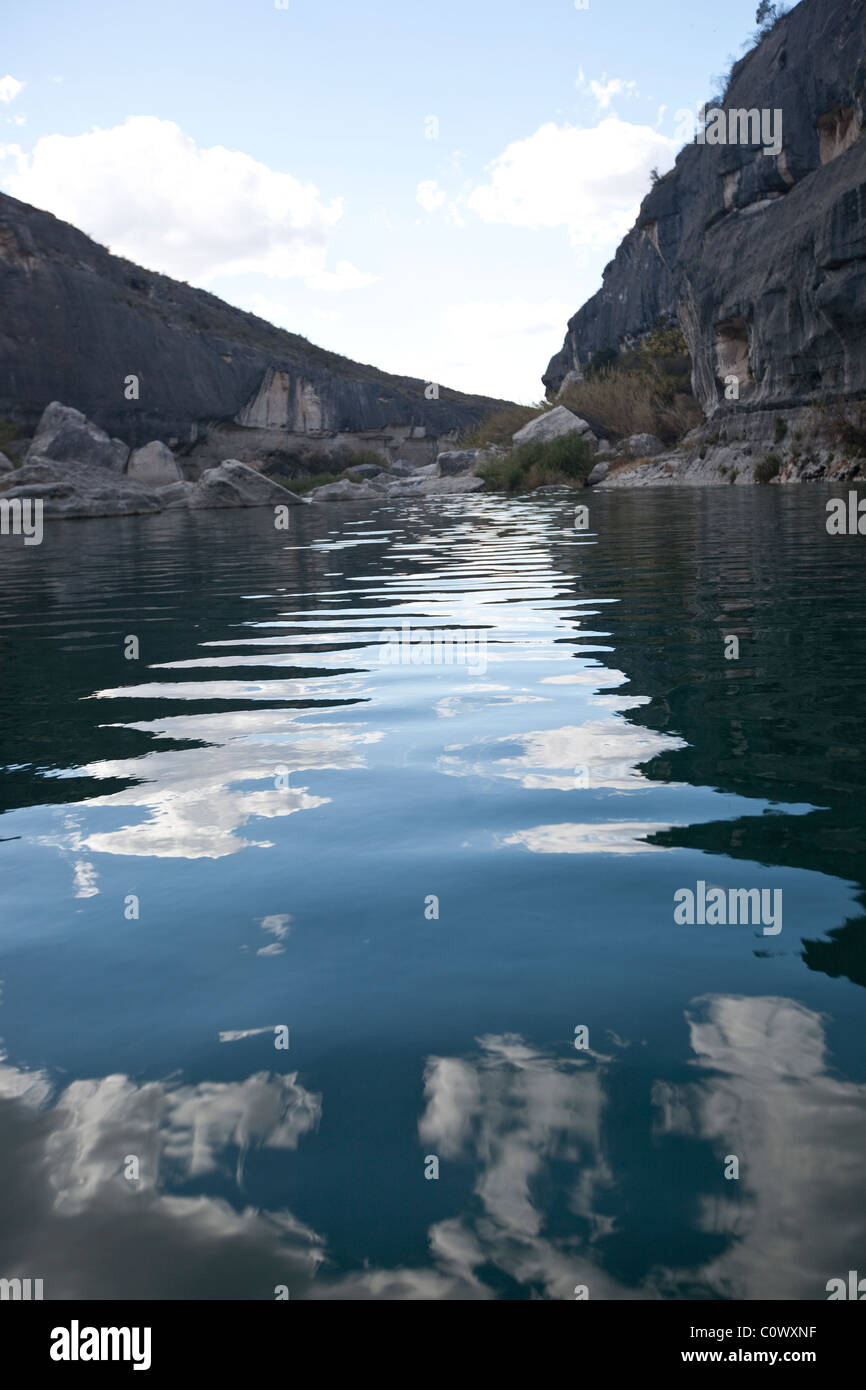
{"x":760,"y":257}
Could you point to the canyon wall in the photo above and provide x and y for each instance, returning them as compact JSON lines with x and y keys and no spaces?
{"x":77,"y":322}
{"x":760,"y":256}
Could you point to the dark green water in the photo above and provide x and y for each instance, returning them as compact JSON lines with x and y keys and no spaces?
{"x":279,"y":806}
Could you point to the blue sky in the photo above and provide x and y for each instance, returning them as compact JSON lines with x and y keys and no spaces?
{"x":433,"y":188}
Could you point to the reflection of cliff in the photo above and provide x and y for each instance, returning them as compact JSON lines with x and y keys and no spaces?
{"x":783,"y":723}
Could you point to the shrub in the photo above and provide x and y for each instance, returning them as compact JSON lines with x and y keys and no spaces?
{"x":501,"y":425}
{"x":605,"y":357}
{"x":339,"y":463}
{"x":781,"y":428}
{"x":644,"y":390}
{"x":621,"y":401}
{"x":8,"y":432}
{"x":359,"y":456}
{"x":851,"y":433}
{"x":568,"y":459}
{"x":767,"y":468}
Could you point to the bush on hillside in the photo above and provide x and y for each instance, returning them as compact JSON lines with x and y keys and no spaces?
{"x":644,"y":390}
{"x":567,"y":460}
{"x":500,"y":426}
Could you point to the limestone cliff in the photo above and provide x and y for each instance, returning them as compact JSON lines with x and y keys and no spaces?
{"x":76,"y":322}
{"x":760,"y":256}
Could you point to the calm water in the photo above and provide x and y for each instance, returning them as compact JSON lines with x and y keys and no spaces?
{"x":279,"y":806}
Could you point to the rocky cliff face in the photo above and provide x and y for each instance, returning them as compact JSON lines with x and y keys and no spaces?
{"x":760,"y":256}
{"x":77,"y":322}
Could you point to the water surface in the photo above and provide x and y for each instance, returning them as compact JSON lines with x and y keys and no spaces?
{"x":431,"y":875}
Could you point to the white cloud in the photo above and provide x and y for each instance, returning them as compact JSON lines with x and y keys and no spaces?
{"x":590,"y":180}
{"x":9,"y":88}
{"x":345,"y":277}
{"x":605,"y":91}
{"x":487,"y":344}
{"x":430,"y":195}
{"x":154,"y":196}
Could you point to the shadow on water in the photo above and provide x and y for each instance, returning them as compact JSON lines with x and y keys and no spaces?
{"x":783,"y":721}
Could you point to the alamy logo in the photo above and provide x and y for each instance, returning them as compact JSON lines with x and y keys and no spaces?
{"x":714,"y":907}
{"x":441,"y":647}
{"x":837,"y":1290}
{"x":846,"y":518}
{"x":22,"y":516}
{"x":21,"y":1289}
{"x":76,"y":1343}
{"x":738,"y":125}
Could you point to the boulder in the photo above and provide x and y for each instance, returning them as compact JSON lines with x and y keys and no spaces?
{"x":644,"y":446}
{"x":457,"y":461}
{"x":175,"y":495}
{"x":346,"y":491}
{"x":402,"y":469}
{"x":76,"y":490}
{"x":65,"y":435}
{"x":364,"y":470}
{"x":462,"y":482}
{"x":235,"y":484}
{"x":552,"y":424}
{"x":154,"y":464}
{"x":598,"y":474}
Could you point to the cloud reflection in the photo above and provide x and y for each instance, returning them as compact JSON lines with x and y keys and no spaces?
{"x":192,"y":803}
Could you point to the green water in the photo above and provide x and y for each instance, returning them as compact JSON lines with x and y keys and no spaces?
{"x":431,"y":875}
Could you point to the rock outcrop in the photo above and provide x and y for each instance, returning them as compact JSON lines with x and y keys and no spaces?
{"x":66,"y":436}
{"x":75,"y":470}
{"x":553,"y":424}
{"x":760,"y":256}
{"x":452,"y":472}
{"x":233,"y":484}
{"x":149,"y":358}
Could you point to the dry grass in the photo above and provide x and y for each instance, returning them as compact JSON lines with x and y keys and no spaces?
{"x":500,"y":426}
{"x":620,"y":402}
{"x":646,"y":391}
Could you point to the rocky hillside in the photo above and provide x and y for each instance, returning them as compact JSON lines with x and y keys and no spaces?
{"x":760,"y":256}
{"x":78,"y":321}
